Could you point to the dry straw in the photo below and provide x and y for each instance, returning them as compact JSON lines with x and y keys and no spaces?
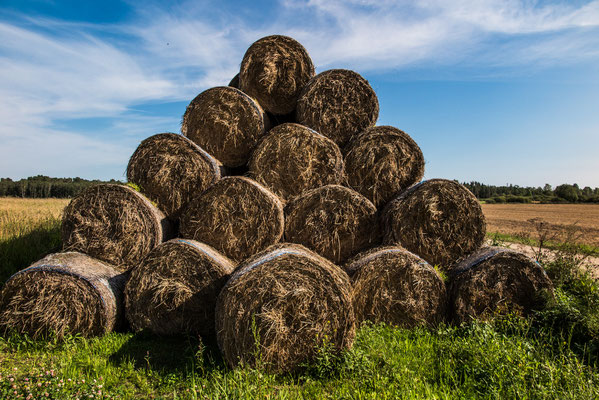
{"x":273,"y":71}
{"x":174,"y":289}
{"x":334,"y":221}
{"x":280,"y":306}
{"x":113,"y":223}
{"x":394,"y":286}
{"x":338,"y":104}
{"x":382,"y":162}
{"x":293,"y":158}
{"x":496,"y":281}
{"x":237,"y":216}
{"x":63,"y":293}
{"x":225,"y":122}
{"x":439,"y":220}
{"x":169,"y":168}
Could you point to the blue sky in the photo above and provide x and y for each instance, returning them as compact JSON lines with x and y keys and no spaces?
{"x":498,"y":91}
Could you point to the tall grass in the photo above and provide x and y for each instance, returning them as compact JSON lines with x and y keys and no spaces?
{"x":25,"y":239}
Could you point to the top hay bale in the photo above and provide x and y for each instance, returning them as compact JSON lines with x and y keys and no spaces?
{"x":338,"y":104}
{"x":439,"y":220}
{"x":382,"y":162}
{"x":293,"y":158}
{"x":273,"y":71}
{"x":113,"y":223}
{"x":169,"y":168}
{"x":225,"y":122}
{"x":63,"y":293}
{"x":280,"y":306}
{"x":237,"y":216}
{"x":495,"y":280}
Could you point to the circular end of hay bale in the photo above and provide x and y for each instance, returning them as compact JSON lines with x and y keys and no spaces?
{"x":225,"y":122}
{"x":439,"y":220}
{"x":273,"y":71}
{"x":339,"y":104}
{"x":382,"y":162}
{"x":237,"y":216}
{"x":63,"y":293}
{"x":397,"y":287}
{"x":293,"y":158}
{"x":334,"y":221}
{"x":234,"y":83}
{"x":494,"y":281}
{"x":280,"y":306}
{"x":169,"y":168}
{"x":113,"y":223}
{"x":174,"y":289}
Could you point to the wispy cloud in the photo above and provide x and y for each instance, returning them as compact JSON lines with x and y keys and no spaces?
{"x":55,"y":69}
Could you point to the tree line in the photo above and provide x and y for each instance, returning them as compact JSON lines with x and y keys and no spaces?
{"x":43,"y":186}
{"x":565,"y":193}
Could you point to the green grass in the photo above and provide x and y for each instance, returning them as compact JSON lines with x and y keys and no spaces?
{"x":553,"y":354}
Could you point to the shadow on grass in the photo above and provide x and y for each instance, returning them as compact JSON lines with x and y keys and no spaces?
{"x":169,"y":354}
{"x":21,"y":251}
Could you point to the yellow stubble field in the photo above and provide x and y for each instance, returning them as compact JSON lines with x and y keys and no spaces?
{"x":513,"y":219}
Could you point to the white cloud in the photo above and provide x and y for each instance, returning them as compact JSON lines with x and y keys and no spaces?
{"x":54,"y":69}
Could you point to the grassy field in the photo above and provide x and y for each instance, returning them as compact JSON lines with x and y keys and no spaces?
{"x":513,"y":219}
{"x":553,"y":354}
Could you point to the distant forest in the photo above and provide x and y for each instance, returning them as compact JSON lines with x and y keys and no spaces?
{"x":42,"y":186}
{"x":547,"y":194}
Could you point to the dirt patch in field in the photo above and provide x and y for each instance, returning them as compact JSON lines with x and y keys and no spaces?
{"x":513,"y":219}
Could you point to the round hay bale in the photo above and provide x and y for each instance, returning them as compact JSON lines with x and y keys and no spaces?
{"x":494,"y":281}
{"x":273,"y":71}
{"x":293,"y":158}
{"x":334,"y":221}
{"x":174,"y":289}
{"x":63,"y":293}
{"x":280,"y":305}
{"x":169,"y":168}
{"x":338,"y":104}
{"x":225,"y":122}
{"x":439,"y":220}
{"x":397,"y":287}
{"x":237,"y":216}
{"x":113,"y":223}
{"x":382,"y":162}
{"x":234,"y":83}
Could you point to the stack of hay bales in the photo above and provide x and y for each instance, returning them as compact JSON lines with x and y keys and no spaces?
{"x":280,"y":219}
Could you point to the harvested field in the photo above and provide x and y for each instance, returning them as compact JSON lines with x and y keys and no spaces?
{"x":513,"y":219}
